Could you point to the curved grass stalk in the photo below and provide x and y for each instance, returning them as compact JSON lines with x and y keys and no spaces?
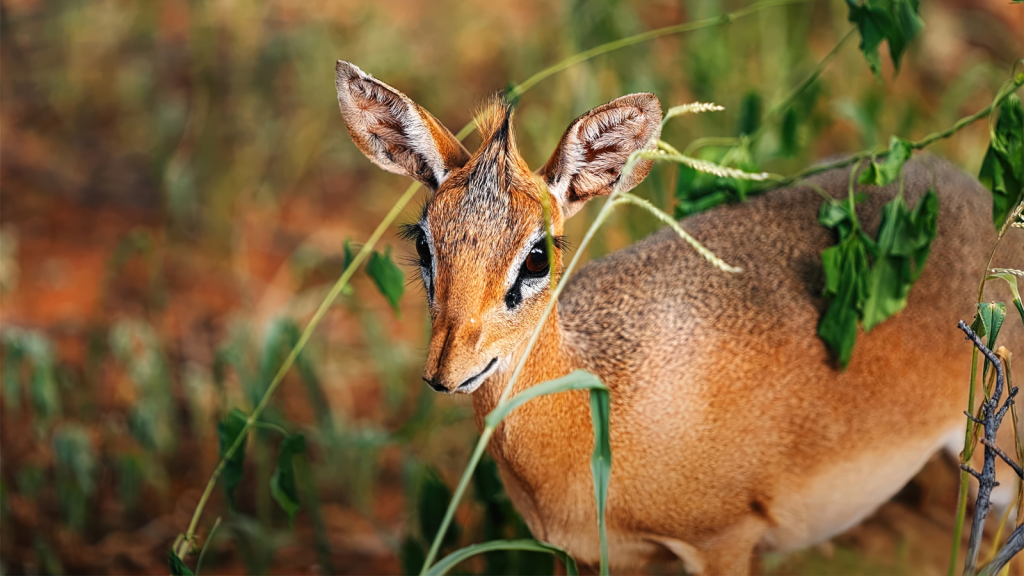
{"x":627,"y":198}
{"x":704,"y":166}
{"x":693,"y":108}
{"x":184,"y":541}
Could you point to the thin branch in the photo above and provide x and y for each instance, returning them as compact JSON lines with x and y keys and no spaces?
{"x":992,"y":415}
{"x":1013,"y":545}
{"x":1009,"y":461}
{"x":971,"y":471}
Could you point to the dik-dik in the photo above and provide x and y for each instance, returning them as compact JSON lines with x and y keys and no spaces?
{"x":732,"y":429}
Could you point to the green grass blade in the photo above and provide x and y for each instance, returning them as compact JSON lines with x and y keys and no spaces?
{"x":578,"y":380}
{"x":601,"y":462}
{"x":452,"y":560}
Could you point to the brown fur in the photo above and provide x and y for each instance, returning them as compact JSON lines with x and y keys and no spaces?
{"x":731,"y":428}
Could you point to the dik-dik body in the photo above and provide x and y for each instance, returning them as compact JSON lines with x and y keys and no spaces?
{"x":731,"y":427}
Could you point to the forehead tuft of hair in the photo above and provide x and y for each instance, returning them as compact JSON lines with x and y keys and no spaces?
{"x":497,"y":160}
{"x":494,"y":121}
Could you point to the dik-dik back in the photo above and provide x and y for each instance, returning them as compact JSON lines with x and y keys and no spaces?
{"x":731,"y":427}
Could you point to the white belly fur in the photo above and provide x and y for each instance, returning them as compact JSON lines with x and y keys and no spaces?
{"x":846,"y":493}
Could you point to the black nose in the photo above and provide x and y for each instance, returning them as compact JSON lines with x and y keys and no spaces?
{"x":436,"y":385}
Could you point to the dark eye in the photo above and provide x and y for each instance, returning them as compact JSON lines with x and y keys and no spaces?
{"x":536,"y":262}
{"x":423,"y":249}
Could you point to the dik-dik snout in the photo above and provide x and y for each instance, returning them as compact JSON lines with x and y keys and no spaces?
{"x":481,"y":243}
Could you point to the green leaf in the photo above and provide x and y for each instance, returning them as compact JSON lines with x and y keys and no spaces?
{"x":227,"y":433}
{"x":750,"y":113}
{"x":1002,"y":170}
{"x":177,"y":566}
{"x":387,"y":276}
{"x":698,"y":191}
{"x":452,"y":560}
{"x":1012,"y":281}
{"x":349,"y":254}
{"x":889,"y":170}
{"x":846,"y":271}
{"x":434,"y":496}
{"x":904,"y":242}
{"x":282,"y":484}
{"x":788,"y":141}
{"x":992,"y":315}
{"x":412,"y":556}
{"x":869,"y":290}
{"x":11,"y":370}
{"x":895,"y":21}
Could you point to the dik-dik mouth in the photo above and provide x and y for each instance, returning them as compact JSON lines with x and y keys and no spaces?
{"x":474,"y":382}
{"x":469,"y":385}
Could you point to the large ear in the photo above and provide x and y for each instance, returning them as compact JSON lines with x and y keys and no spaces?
{"x":393,"y":131}
{"x":589,"y":160}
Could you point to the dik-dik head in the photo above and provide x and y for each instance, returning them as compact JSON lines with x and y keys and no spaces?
{"x":480,"y":240}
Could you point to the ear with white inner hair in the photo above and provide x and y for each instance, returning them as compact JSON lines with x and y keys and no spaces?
{"x":393,"y":131}
{"x":589,"y":159}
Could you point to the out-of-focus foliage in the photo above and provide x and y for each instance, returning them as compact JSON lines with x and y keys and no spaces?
{"x":895,"y":21}
{"x":1002,"y":171}
{"x":177,"y":187}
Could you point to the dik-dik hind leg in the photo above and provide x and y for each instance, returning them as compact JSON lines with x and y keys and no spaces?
{"x":730,"y":552}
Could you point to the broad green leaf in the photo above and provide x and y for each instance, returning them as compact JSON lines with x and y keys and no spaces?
{"x":846,"y":271}
{"x":697,"y":191}
{"x":282,"y":484}
{"x":11,"y":370}
{"x":487,"y":482}
{"x":76,"y":470}
{"x":434,"y":496}
{"x":895,"y":21}
{"x":832,"y":214}
{"x":750,"y":113}
{"x":889,"y":170}
{"x":43,"y":392}
{"x":1012,"y":281}
{"x":991,"y":316}
{"x":904,"y":241}
{"x":227,"y":433}
{"x":1002,"y":170}
{"x":788,"y":143}
{"x":349,"y":254}
{"x":412,"y":555}
{"x":177,"y":566}
{"x":869,"y":290}
{"x":387,"y":276}
{"x":452,"y":560}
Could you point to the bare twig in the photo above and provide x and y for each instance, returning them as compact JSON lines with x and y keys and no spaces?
{"x":991,"y":417}
{"x":1013,"y":545}
{"x":999,"y":452}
